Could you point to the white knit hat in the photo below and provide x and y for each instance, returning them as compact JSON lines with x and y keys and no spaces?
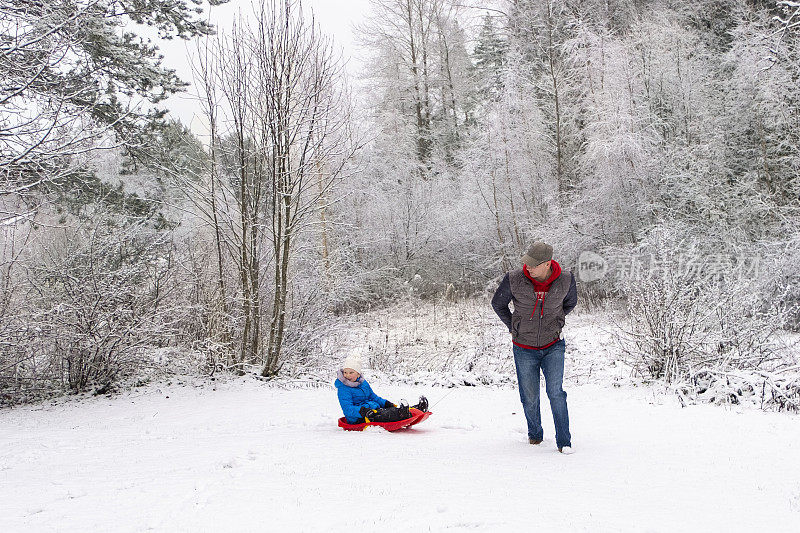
{"x":353,"y":361}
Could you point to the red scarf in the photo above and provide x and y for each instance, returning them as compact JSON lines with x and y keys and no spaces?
{"x":541,"y":287}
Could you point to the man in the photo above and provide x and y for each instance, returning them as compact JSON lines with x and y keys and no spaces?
{"x":543,"y":295}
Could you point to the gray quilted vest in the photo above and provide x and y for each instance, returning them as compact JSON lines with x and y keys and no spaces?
{"x":537,"y":328}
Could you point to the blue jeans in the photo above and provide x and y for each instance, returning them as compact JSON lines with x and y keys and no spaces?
{"x":551,"y":362}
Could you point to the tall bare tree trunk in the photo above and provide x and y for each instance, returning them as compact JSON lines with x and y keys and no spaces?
{"x":245,"y":264}
{"x":511,"y":193}
{"x":552,"y":68}
{"x":323,"y":219}
{"x":221,"y":312}
{"x":420,"y":97}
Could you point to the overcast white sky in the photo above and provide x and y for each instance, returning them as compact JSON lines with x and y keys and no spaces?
{"x":336,"y":18}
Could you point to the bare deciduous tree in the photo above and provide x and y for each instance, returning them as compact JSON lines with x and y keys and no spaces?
{"x":421,"y":55}
{"x":275,"y":97}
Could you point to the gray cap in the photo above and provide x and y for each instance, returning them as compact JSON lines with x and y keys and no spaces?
{"x":538,"y":253}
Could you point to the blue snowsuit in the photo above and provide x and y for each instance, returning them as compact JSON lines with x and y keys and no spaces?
{"x":354,"y":398}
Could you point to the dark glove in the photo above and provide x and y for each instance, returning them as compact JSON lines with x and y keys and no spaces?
{"x":388,"y":404}
{"x":367,"y":413}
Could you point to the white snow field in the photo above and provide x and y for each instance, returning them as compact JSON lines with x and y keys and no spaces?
{"x":246,"y":456}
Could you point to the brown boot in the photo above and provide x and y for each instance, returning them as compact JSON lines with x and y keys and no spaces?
{"x":534,"y":441}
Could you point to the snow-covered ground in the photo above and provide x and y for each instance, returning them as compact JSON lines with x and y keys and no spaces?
{"x":243,"y":455}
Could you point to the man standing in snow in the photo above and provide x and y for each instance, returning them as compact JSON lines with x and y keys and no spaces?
{"x":542,"y":297}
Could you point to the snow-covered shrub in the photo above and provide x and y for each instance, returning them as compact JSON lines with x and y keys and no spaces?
{"x":786,"y":280}
{"x":776,"y":390}
{"x":87,"y":305}
{"x":689,"y":318}
{"x":309,"y":326}
{"x":200,"y":318}
{"x":666,"y":316}
{"x":678,"y":325}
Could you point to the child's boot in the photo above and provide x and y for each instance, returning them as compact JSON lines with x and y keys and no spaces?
{"x":422,"y":405}
{"x":403,"y":411}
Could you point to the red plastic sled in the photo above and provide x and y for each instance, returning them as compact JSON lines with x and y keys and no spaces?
{"x":417,"y":416}
{"x":420,"y":416}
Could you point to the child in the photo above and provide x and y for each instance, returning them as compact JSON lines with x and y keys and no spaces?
{"x":360,"y":404}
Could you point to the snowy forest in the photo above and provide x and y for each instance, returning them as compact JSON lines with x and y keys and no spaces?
{"x":654,"y":143}
{"x":178,"y":297}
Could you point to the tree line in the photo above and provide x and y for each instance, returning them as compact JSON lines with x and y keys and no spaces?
{"x":630,"y":128}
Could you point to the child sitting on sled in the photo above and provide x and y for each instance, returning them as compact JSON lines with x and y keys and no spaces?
{"x":360,"y":404}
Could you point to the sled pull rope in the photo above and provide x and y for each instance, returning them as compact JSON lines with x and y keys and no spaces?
{"x":442,"y":398}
